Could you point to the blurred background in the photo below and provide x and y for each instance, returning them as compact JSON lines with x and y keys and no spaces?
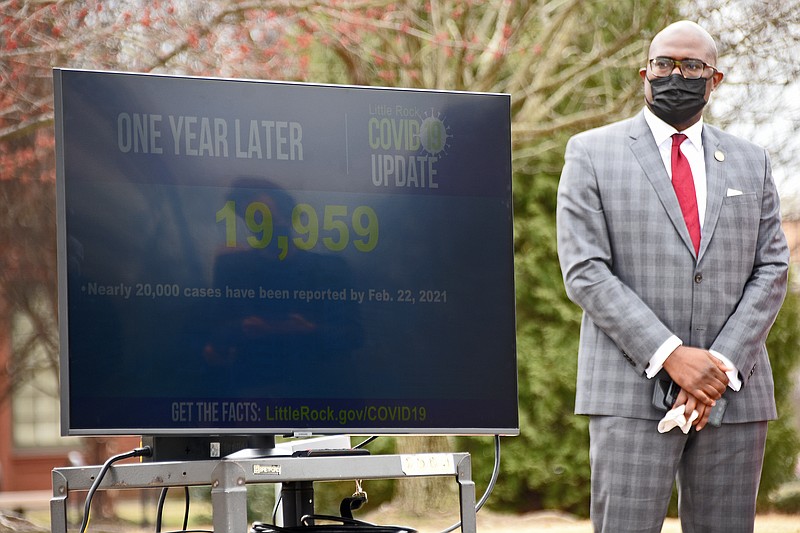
{"x":568,"y":64}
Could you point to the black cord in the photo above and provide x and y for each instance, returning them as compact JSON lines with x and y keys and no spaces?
{"x":276,"y":507}
{"x":160,"y":510}
{"x":186,"y":508}
{"x":145,"y":451}
{"x":364,"y":443}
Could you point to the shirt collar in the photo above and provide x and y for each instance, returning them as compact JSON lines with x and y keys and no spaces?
{"x":663,"y":131}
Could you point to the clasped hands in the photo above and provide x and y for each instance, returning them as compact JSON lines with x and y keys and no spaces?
{"x":701,"y":377}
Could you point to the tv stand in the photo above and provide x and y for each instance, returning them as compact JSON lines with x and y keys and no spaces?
{"x":229,"y":478}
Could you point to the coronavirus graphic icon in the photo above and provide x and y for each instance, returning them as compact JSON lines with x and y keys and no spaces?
{"x":433,"y":134}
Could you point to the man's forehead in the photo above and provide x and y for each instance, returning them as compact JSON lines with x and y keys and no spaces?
{"x":683,"y":42}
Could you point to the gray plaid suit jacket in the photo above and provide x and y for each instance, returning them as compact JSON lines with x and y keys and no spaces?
{"x":628,"y":262}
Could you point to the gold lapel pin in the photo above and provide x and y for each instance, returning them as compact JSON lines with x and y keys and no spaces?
{"x":719,"y":156}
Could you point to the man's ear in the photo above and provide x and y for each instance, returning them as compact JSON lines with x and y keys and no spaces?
{"x":716,"y":79}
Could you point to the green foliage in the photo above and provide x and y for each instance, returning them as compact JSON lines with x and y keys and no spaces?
{"x":547,"y":465}
{"x":783,"y":442}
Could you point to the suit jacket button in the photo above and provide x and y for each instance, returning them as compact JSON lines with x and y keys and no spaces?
{"x":698,"y":278}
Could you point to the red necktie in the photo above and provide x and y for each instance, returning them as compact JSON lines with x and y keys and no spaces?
{"x":683,"y":183}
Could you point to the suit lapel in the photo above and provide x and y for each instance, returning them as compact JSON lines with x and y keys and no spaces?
{"x":715,"y":182}
{"x":646,"y":152}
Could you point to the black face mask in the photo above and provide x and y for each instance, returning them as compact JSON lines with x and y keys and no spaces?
{"x":676,"y":99}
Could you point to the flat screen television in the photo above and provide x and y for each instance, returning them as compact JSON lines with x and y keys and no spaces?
{"x":241,"y":257}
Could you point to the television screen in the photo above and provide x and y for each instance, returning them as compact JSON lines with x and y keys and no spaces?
{"x":251,"y":257}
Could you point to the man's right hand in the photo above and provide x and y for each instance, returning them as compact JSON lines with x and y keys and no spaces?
{"x":698,"y":372}
{"x":693,"y":404}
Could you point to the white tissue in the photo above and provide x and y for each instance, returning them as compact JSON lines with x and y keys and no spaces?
{"x":677,"y":418}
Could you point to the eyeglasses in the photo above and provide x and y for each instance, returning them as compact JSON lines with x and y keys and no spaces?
{"x":690,"y":68}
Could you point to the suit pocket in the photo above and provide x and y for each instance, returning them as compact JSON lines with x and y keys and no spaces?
{"x":737,"y":228}
{"x":740,"y":199}
{"x":741,"y":213}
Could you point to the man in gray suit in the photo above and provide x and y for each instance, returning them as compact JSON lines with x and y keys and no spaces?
{"x":683,"y":290}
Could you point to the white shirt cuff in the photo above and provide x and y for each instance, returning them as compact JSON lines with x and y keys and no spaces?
{"x":657,"y":361}
{"x":733,"y":375}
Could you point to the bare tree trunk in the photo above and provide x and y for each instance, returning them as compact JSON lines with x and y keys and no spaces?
{"x":425,"y":495}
